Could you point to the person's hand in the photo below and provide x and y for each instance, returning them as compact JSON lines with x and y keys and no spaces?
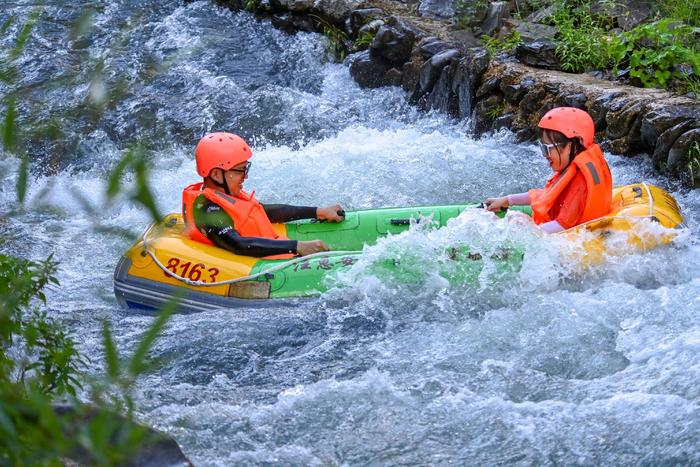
{"x":330,"y":213}
{"x":496,"y":204}
{"x":310,"y":247}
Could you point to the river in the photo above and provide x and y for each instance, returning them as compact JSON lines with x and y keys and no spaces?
{"x":553,"y":366}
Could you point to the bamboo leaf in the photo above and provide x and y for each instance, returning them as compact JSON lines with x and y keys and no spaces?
{"x":25,"y":33}
{"x":138,"y":360}
{"x":22,"y":179}
{"x":111,"y":355}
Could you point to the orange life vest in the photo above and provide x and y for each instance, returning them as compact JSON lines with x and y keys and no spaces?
{"x":591,"y":163}
{"x":248,"y":215}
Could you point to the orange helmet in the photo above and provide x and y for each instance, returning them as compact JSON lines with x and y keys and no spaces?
{"x":571,"y":122}
{"x":220,"y":150}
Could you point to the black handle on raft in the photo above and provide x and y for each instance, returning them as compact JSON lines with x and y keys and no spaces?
{"x":341,"y":212}
{"x":403,"y":221}
{"x":483,"y":206}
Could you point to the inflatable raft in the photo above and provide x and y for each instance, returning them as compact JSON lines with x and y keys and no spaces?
{"x":164,"y":263}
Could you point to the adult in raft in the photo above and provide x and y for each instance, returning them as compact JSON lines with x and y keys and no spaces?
{"x":218,"y":212}
{"x":580,"y":189}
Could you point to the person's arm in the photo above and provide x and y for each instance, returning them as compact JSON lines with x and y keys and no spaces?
{"x":285,"y":213}
{"x":280,"y":213}
{"x":552,"y":227}
{"x":518,"y":199}
{"x":217,"y":226}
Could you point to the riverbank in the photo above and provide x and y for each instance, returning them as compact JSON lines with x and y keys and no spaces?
{"x":444,"y":67}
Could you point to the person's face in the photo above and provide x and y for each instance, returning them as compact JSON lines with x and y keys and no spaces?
{"x":233,"y":177}
{"x":557,"y":154}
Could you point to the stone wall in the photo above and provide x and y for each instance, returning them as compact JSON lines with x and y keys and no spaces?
{"x":440,"y":68}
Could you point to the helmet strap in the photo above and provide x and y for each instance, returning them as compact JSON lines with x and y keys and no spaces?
{"x":224,"y":185}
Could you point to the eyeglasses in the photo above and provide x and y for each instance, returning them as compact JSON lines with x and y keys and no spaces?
{"x":243,"y":170}
{"x":545,"y":148}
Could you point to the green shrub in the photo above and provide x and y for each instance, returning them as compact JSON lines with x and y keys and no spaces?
{"x":507,"y":44}
{"x":658,"y":52}
{"x":582,"y":43}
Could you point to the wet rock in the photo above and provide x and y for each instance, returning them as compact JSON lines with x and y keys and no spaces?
{"x":531,"y":32}
{"x":678,"y":156}
{"x":411,"y":77}
{"x":292,"y":22}
{"x":436,"y":8}
{"x":368,"y":71}
{"x":658,"y":120}
{"x":370,"y":28}
{"x":577,"y":100}
{"x":666,"y":141}
{"x":393,"y":42}
{"x":599,"y":108}
{"x":504,"y":121}
{"x":440,"y":95}
{"x":627,"y":13}
{"x":532,"y":102}
{"x":496,"y":14}
{"x":431,"y":69}
{"x":488,"y":86}
{"x":293,"y":5}
{"x":337,"y":10}
{"x":465,"y":37}
{"x":393,"y":77}
{"x":431,"y":46}
{"x":156,"y":449}
{"x":486,"y":112}
{"x":468,"y":73}
{"x":619,"y":123}
{"x":539,"y":53}
{"x":359,"y":18}
{"x":540,"y":15}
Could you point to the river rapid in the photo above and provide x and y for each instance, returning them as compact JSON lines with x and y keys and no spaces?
{"x":553,"y":366}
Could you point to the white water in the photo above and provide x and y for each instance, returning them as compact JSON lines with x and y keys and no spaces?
{"x":549,"y":367}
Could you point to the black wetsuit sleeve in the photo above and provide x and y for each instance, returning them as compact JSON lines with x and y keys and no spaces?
{"x":217,"y":226}
{"x":285,"y":212}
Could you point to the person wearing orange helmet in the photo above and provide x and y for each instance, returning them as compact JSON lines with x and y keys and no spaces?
{"x":580,"y":189}
{"x":218,"y":212}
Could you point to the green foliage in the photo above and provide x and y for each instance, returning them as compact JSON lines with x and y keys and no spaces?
{"x":494,"y":112}
{"x":337,"y":39}
{"x":466,"y":11}
{"x":682,"y":10}
{"x":582,"y":42}
{"x":251,"y":5}
{"x":656,"y":53}
{"x":39,"y":360}
{"x":364,"y":40}
{"x":693,"y":164}
{"x":495,"y":46}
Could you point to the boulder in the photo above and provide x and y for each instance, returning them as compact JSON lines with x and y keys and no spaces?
{"x":300,"y":6}
{"x":337,"y":11}
{"x":436,"y":8}
{"x":627,"y":13}
{"x":359,"y":18}
{"x":431,"y":46}
{"x":659,"y":119}
{"x":431,"y":69}
{"x":368,"y":71}
{"x":540,"y":15}
{"x":293,"y":22}
{"x":539,"y":53}
{"x":393,"y":43}
{"x":531,"y":32}
{"x":496,"y":14}
{"x":678,"y":156}
{"x":666,"y":141}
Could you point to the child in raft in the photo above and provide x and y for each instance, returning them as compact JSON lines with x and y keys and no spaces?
{"x":580,"y":189}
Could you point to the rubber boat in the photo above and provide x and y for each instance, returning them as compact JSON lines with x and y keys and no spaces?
{"x":164,"y":263}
